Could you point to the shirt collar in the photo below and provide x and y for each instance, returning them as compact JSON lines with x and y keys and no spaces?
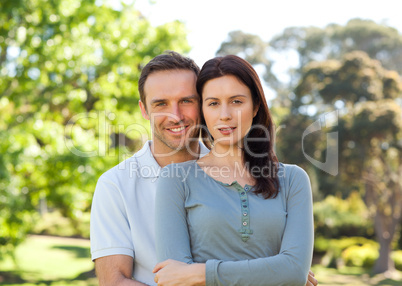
{"x":146,"y":160}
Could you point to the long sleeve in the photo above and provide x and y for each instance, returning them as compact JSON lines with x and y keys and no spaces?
{"x":172,"y":236}
{"x":291,"y":265}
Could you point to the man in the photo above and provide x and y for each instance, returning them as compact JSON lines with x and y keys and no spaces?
{"x":122,"y":216}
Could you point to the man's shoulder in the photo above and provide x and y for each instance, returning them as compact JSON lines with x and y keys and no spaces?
{"x":127,"y":166}
{"x":120,"y":169}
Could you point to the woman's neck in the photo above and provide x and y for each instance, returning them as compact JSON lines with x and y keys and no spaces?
{"x":226,"y":165}
{"x":227,"y":155}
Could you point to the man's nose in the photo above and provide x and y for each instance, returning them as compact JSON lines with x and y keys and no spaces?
{"x":176,"y":113}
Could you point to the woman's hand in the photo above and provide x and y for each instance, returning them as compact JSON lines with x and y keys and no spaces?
{"x":172,"y":272}
{"x":311,"y":281}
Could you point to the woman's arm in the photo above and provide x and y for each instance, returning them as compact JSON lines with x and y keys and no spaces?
{"x":172,"y":236}
{"x":289,"y":267}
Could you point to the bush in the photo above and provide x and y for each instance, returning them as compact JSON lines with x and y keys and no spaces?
{"x":335,"y":217}
{"x":361,"y":256}
{"x":53,"y":223}
{"x":333,"y":249}
{"x":397,"y":258}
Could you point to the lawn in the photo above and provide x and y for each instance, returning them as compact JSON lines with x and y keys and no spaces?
{"x":55,"y":261}
{"x":47,"y":260}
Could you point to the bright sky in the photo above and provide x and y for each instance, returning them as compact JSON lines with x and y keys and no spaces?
{"x":210,"y":21}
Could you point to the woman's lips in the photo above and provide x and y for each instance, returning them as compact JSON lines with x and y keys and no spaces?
{"x":227,"y":130}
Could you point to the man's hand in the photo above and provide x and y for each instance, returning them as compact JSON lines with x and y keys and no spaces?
{"x":311,"y":281}
{"x":115,"y":270}
{"x":171,"y":272}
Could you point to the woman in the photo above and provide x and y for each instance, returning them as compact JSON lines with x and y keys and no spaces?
{"x":246,"y":218}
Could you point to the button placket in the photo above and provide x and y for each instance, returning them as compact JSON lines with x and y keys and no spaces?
{"x":245,"y":218}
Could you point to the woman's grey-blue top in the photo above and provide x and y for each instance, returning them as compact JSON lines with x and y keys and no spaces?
{"x":243,"y":238}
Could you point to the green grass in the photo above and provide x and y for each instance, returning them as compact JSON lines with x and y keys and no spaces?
{"x":353,"y":276}
{"x":55,"y":261}
{"x":46,"y":260}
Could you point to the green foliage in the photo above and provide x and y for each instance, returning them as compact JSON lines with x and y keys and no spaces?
{"x":68,"y":102}
{"x":379,"y":41}
{"x":55,"y":224}
{"x":362,"y":256}
{"x":333,"y":248}
{"x":335,"y":217}
{"x":397,"y":257}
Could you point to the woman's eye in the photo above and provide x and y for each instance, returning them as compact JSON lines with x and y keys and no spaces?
{"x":236,"y":101}
{"x":213,"y":103}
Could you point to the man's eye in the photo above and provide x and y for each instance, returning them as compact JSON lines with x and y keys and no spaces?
{"x":187,"y":101}
{"x":160,"y":104}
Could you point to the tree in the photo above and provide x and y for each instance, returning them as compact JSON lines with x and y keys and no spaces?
{"x":68,"y":102}
{"x":307,"y":44}
{"x":371,"y":135}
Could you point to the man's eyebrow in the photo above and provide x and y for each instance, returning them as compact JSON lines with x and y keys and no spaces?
{"x":194,"y":96}
{"x":234,"y":96}
{"x":154,"y":101}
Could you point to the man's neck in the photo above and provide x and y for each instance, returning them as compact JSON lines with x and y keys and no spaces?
{"x":164,"y":157}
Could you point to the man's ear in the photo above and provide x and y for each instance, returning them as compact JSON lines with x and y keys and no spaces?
{"x":143,"y":110}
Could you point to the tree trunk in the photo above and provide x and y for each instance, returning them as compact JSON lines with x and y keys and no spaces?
{"x":387,"y":201}
{"x":385,"y":233}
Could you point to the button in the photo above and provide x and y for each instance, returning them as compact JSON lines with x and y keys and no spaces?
{"x":246,"y":188}
{"x":243,"y":201}
{"x":245,"y":223}
{"x":242,"y":193}
{"x":245,"y":206}
{"x":244,"y":214}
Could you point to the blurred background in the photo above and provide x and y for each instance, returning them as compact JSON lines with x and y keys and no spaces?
{"x":69,"y":112}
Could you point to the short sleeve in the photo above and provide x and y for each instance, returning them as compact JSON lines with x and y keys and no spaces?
{"x":109,"y":229}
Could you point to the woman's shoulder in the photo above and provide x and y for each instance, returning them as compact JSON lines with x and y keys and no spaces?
{"x":289,"y":170}
{"x":292,"y":175}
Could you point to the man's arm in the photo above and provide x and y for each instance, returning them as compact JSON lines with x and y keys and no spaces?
{"x":111,"y":245}
{"x":115,"y":270}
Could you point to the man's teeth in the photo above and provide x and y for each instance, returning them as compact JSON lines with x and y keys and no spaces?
{"x":177,"y":129}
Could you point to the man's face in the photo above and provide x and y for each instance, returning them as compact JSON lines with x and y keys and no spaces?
{"x":172,"y":106}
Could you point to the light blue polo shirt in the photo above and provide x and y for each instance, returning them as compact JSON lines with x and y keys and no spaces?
{"x":122,"y":214}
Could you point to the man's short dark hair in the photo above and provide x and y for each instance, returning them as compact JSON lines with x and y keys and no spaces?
{"x":169,"y":60}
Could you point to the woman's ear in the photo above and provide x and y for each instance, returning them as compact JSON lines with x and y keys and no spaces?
{"x":256,"y":110}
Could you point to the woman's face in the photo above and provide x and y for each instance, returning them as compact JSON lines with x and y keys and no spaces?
{"x":228,"y":110}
